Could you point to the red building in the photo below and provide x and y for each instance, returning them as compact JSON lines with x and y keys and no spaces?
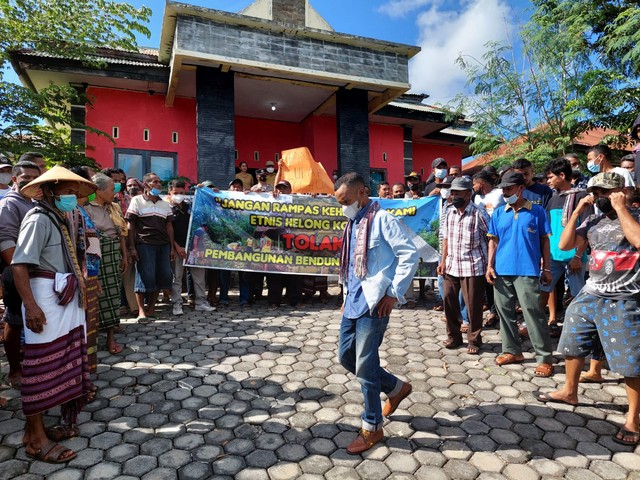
{"x":225,"y":88}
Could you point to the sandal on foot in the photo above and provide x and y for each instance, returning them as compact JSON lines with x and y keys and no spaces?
{"x":52,"y":452}
{"x":543,"y":370}
{"x":491,"y":321}
{"x":451,"y":344}
{"x":438,"y":308}
{"x":62,"y":432}
{"x":619,"y":437}
{"x":508,"y":358}
{"x":473,"y":349}
{"x":586,"y":379}
{"x":545,"y":397}
{"x":464,"y":328}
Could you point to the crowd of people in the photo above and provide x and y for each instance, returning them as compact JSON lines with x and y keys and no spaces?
{"x":87,"y":248}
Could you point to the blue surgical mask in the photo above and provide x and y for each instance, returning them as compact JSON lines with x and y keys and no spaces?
{"x":66,"y":203}
{"x":592,"y":167}
{"x":155,"y":192}
{"x":117,"y":187}
{"x":440,"y":173}
{"x":512,"y":199}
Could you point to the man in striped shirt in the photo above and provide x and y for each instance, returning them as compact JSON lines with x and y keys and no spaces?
{"x":464,"y":260}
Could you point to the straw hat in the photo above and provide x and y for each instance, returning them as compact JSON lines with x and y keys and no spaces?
{"x":59,"y":174}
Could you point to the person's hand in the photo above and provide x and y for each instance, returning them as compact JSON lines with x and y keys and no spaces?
{"x":124,"y":262}
{"x":275,"y":193}
{"x":618,"y":201}
{"x":491,"y":276}
{"x":386,"y":305}
{"x":38,"y":195}
{"x":34,"y":318}
{"x":440,"y":269}
{"x":172,"y":254}
{"x":575,"y":265}
{"x":585,"y":204}
{"x":434,"y":192}
{"x":133,"y":255}
{"x":546,"y":277}
{"x":181,"y":252}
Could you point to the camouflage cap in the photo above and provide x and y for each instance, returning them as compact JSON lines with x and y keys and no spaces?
{"x":606,"y":180}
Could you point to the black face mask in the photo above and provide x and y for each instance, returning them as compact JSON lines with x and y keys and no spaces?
{"x":604,"y":205}
{"x":458,"y":202}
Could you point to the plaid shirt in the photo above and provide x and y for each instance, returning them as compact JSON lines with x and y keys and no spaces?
{"x":466,"y":236}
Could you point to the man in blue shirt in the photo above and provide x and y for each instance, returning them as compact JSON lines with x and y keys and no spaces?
{"x":537,"y":193}
{"x":518,"y":239}
{"x":377,"y":263}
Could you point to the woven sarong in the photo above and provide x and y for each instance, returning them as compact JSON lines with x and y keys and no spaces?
{"x":92,"y":322}
{"x":55,"y":369}
{"x":110,"y":281}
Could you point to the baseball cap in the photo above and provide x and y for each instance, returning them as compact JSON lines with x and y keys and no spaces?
{"x":438,"y":161}
{"x":261,"y":171}
{"x":270,"y":163}
{"x":208,"y":183}
{"x":510,"y":179}
{"x":461,"y":183}
{"x":4,"y":162}
{"x":606,"y":180}
{"x":446,"y":181}
{"x":283,"y":183}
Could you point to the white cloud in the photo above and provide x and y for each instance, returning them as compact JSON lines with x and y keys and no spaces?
{"x":400,"y":8}
{"x":445,"y":34}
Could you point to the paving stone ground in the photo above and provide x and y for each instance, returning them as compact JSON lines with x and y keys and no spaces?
{"x":257,"y":394}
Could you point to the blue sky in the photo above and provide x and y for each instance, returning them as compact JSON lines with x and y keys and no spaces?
{"x":443,"y":28}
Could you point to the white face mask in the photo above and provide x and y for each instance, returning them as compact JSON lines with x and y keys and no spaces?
{"x":5,"y":178}
{"x":440,"y":173}
{"x":270,"y":169}
{"x":444,"y":193}
{"x":512,"y":199}
{"x":177,"y":198}
{"x":350,"y":211}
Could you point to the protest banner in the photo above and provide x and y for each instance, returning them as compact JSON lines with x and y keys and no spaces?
{"x":297,"y":234}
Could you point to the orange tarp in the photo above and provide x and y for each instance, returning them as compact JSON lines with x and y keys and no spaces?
{"x":305,"y":174}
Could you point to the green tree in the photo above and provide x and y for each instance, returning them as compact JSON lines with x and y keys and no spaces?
{"x":563,"y":79}
{"x":42,"y":120}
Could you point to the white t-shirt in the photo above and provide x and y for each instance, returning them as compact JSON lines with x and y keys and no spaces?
{"x":624,"y":173}
{"x":490,"y":201}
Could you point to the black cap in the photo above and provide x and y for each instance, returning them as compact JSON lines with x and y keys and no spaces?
{"x":261,"y":171}
{"x":438,"y":161}
{"x":510,"y":179}
{"x":4,"y":162}
{"x":446,"y":181}
{"x":462,"y":183}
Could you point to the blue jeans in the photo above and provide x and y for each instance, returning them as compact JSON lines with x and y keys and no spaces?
{"x":153,"y":268}
{"x":358,"y":352}
{"x":244,"y":287}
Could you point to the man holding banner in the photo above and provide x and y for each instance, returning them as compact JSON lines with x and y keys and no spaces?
{"x":378,"y":261}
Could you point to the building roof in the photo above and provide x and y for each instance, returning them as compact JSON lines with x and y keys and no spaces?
{"x":144,"y":57}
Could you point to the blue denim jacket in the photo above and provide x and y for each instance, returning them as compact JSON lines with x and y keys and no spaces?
{"x":392,"y":260}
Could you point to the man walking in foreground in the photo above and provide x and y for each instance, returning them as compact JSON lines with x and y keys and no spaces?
{"x":377,"y":263}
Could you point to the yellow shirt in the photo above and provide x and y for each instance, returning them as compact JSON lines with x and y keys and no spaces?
{"x":247,"y":180}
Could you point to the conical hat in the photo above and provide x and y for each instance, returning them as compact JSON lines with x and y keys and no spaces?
{"x":59,"y":174}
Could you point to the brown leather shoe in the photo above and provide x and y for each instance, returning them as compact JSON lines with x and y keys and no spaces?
{"x":392,"y":403}
{"x":364,"y":441}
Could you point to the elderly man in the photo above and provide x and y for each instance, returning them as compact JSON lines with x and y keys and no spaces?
{"x":518,"y":241}
{"x":50,"y":281}
{"x":606,"y":310}
{"x":151,"y":245}
{"x":13,"y":208}
{"x":378,"y":261}
{"x":463,"y":265}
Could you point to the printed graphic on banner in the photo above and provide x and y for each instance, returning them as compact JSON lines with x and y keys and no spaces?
{"x":295,"y":234}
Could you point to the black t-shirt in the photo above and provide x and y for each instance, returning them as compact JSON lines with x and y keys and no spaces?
{"x":180,"y":223}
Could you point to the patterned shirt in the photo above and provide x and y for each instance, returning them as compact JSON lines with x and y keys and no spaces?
{"x":466,"y":235}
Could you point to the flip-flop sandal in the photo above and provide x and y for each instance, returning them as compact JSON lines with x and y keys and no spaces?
{"x":544,"y":370}
{"x":52,"y":453}
{"x":144,"y":320}
{"x":473,"y":349}
{"x":464,"y":328}
{"x":627,"y":433}
{"x":584,"y":379}
{"x":491,"y":321}
{"x":62,"y":432}
{"x":545,"y":398}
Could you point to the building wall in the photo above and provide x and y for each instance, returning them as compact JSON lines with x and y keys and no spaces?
{"x":132,"y":113}
{"x":425,"y":153}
